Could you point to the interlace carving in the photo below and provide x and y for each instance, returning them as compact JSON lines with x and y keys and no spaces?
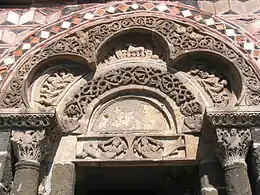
{"x":166,"y":82}
{"x":133,"y":52}
{"x":215,"y":87}
{"x":53,"y":87}
{"x":179,"y":36}
{"x":29,"y":145}
{"x":233,"y":145}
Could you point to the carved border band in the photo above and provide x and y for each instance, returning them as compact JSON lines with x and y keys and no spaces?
{"x":131,"y":148}
{"x":179,"y":37}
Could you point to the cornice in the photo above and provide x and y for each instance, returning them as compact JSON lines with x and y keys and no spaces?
{"x":26,"y":118}
{"x":240,"y":116}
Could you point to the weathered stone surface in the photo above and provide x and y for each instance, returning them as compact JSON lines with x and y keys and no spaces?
{"x":62,"y":179}
{"x":236,"y":180}
{"x":211,"y":177}
{"x":26,"y":178}
{"x":6,"y":175}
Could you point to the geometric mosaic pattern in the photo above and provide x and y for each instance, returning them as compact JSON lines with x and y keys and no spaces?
{"x":39,"y":26}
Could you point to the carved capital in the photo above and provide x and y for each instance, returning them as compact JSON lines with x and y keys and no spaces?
{"x":233,"y":145}
{"x":29,"y":144}
{"x":29,"y":129}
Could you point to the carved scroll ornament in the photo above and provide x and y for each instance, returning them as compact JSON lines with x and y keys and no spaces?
{"x":179,"y":37}
{"x":166,"y":82}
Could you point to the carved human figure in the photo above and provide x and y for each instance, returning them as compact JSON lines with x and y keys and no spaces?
{"x":147,"y":147}
{"x":215,"y":86}
{"x":53,"y":86}
{"x":113,"y":147}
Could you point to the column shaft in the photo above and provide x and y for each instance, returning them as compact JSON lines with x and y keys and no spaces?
{"x":236,"y":180}
{"x":26,"y":178}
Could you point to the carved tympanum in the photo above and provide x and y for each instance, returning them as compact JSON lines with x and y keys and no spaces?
{"x":214,"y":85}
{"x":166,"y":82}
{"x":29,"y":145}
{"x":53,"y":86}
{"x":233,"y":145}
{"x":178,"y":36}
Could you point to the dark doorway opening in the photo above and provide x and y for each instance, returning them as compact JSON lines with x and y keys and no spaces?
{"x":138,"y":180}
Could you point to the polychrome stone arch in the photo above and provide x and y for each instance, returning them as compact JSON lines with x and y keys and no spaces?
{"x":181,"y":37}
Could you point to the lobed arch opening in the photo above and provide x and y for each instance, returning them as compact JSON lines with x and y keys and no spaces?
{"x":53,"y":65}
{"x":136,"y":37}
{"x":212,"y":63}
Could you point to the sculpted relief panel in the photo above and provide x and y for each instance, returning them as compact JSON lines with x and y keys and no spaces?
{"x":130,"y":115}
{"x":49,"y":87}
{"x":131,"y":148}
{"x":214,"y":84}
{"x":165,"y":82}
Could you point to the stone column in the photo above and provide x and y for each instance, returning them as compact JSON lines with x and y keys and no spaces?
{"x":29,"y":149}
{"x":256,"y":159}
{"x":233,"y":145}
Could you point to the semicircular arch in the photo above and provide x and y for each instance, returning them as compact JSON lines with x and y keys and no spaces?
{"x":182,"y":37}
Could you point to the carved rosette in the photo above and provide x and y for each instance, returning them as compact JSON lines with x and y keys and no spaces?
{"x":29,"y":145}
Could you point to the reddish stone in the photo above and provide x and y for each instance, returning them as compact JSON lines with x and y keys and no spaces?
{"x":220,"y":26}
{"x":76,"y":20}
{"x":256,"y":53}
{"x":175,"y":11}
{"x":100,"y":12}
{"x":240,"y":38}
{"x":148,"y":6}
{"x":55,"y":29}
{"x":123,"y":7}
{"x":35,"y":40}
{"x":18,"y":52}
{"x":198,"y":17}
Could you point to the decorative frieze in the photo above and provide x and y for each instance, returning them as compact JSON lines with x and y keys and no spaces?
{"x":131,"y":148}
{"x":26,"y":118}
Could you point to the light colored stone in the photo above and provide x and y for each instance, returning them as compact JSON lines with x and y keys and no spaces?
{"x":66,"y":151}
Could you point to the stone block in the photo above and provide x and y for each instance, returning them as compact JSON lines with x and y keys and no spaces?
{"x":67,"y":149}
{"x":62,"y":179}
